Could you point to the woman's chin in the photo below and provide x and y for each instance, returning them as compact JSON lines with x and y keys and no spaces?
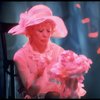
{"x":42,"y":50}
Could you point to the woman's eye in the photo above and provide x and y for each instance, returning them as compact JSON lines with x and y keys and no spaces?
{"x":41,"y":30}
{"x":48,"y":30}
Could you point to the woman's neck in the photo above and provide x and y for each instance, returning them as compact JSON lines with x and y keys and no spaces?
{"x":39,"y":48}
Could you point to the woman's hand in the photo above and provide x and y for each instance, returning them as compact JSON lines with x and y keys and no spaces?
{"x":72,"y":85}
{"x":33,"y":90}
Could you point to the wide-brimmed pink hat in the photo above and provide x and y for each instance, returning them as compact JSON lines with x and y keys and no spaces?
{"x":36,"y":15}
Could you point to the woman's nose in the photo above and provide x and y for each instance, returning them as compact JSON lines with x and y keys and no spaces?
{"x":45,"y":34}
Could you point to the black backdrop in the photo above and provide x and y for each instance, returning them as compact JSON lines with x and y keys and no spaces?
{"x":77,"y":39}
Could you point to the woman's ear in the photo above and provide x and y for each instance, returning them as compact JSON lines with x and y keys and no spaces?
{"x":26,"y":33}
{"x":29,"y":37}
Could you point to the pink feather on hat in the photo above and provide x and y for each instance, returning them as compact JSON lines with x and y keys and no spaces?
{"x":36,"y":15}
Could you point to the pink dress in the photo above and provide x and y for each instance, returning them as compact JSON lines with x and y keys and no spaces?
{"x":36,"y":66}
{"x":33,"y":64}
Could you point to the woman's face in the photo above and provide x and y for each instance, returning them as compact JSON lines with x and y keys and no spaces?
{"x":39,"y":34}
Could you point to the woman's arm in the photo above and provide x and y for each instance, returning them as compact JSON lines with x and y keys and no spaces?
{"x":27,"y":78}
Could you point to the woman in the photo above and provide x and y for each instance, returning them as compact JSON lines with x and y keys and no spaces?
{"x":37,"y":56}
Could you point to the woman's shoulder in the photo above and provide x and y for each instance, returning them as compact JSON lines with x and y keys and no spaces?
{"x":20,"y":52}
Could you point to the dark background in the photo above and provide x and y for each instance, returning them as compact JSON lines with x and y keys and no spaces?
{"x":77,"y":39}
